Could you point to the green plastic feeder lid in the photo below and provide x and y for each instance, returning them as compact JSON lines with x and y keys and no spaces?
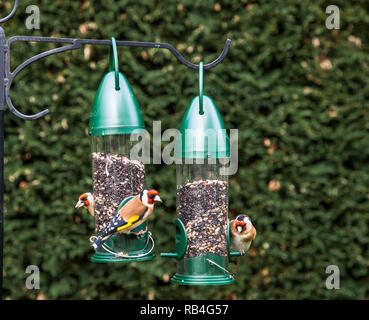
{"x":202,"y":135}
{"x":115,"y":109}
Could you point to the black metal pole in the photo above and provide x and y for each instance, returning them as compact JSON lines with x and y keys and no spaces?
{"x":2,"y":101}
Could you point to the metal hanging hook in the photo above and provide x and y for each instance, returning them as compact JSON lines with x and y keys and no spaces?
{"x":201,"y":88}
{"x":192,"y":65}
{"x":114,"y":55}
{"x":11,"y":76}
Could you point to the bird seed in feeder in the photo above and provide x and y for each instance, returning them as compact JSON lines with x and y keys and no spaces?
{"x":203,"y":209}
{"x":115,"y":177}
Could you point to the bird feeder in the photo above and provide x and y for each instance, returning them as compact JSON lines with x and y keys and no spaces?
{"x":115,"y":117}
{"x":202,"y":225}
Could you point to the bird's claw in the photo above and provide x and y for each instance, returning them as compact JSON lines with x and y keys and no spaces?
{"x":141,"y":232}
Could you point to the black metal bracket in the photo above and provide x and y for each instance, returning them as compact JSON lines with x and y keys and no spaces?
{"x":75,"y":44}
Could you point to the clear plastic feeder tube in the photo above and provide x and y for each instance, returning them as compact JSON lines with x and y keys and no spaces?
{"x":115,"y":175}
{"x":202,"y":206}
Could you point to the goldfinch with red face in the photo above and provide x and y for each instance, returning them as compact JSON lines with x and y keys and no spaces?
{"x":242,"y":233}
{"x":86,"y":200}
{"x":130,"y":216}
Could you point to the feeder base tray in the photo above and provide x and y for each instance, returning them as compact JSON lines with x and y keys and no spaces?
{"x":105,"y":257}
{"x":136,"y":247}
{"x":202,"y":280}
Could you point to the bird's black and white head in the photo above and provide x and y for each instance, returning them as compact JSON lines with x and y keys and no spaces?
{"x":85,"y":200}
{"x":148,"y":197}
{"x":243,"y":223}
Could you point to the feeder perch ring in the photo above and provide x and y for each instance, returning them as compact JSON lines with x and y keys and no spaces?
{"x":122,"y":255}
{"x":93,"y":239}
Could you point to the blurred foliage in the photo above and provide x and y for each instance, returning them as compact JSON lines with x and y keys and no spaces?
{"x":297,"y":92}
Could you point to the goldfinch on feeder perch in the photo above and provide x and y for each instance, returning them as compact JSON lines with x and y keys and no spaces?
{"x":242,"y":233}
{"x":86,"y":200}
{"x":130,"y":216}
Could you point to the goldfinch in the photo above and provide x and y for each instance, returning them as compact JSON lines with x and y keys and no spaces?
{"x":86,"y":200}
{"x":242,"y":233}
{"x":131,"y":215}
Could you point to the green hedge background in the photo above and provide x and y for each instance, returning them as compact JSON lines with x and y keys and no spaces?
{"x":297,"y":92}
